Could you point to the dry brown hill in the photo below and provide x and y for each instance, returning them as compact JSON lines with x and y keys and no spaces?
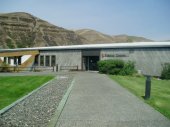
{"x":127,"y":38}
{"x":18,"y":30}
{"x":93,"y":36}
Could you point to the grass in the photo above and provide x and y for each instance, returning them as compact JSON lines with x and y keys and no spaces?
{"x":160,"y":91}
{"x":14,"y":87}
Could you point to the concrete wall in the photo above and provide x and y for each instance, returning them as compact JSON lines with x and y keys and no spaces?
{"x":148,"y":60}
{"x":66,"y":57}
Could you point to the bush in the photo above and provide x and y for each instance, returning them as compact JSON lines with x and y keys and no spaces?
{"x":166,"y":71}
{"x":128,"y":69}
{"x":10,"y":43}
{"x":116,"y":67}
{"x":4,"y":67}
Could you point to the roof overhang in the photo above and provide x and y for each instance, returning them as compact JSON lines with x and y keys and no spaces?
{"x":18,"y":53}
{"x":96,"y":46}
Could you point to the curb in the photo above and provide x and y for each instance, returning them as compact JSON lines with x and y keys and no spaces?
{"x":60,"y":107}
{"x":2,"y":111}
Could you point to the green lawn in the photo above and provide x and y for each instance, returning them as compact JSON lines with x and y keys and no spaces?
{"x":160,"y":91}
{"x":14,"y":87}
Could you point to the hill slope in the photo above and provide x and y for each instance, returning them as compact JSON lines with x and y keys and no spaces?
{"x":19,"y":30}
{"x":127,"y":38}
{"x":93,"y":36}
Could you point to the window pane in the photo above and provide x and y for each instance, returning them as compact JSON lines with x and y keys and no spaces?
{"x":36,"y":60}
{"x":19,"y":60}
{"x":5,"y":60}
{"x":47,"y":62}
{"x":53,"y":61}
{"x":15,"y":60}
{"x":41,"y":60}
{"x":9,"y":60}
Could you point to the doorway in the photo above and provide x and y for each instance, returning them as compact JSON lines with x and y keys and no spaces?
{"x":90,"y":59}
{"x":91,"y":62}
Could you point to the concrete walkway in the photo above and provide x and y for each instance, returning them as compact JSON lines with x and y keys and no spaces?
{"x":97,"y":101}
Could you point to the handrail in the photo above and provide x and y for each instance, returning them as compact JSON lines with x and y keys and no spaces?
{"x":69,"y":68}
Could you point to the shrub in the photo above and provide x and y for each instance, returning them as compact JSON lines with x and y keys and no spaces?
{"x":166,"y":71}
{"x":128,"y":69}
{"x":4,"y":67}
{"x":102,"y":66}
{"x":116,"y":67}
{"x":10,"y":43}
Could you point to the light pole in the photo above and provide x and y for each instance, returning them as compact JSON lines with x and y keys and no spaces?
{"x":147,"y":87}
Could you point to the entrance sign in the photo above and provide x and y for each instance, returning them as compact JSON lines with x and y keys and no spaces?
{"x":114,"y":55}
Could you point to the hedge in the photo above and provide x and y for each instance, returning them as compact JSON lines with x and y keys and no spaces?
{"x":116,"y":67}
{"x":4,"y":67}
{"x":166,"y":71}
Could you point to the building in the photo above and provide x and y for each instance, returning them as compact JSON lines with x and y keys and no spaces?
{"x":149,"y":57}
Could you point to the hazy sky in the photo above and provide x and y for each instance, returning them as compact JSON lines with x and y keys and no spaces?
{"x":148,"y":18}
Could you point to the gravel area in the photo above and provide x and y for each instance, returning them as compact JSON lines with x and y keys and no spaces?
{"x":37,"y":109}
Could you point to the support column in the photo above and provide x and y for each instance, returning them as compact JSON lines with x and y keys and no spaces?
{"x":88,"y":63}
{"x":44,"y":60}
{"x":6,"y":60}
{"x":50,"y":59}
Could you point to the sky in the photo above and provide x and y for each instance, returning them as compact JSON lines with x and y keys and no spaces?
{"x":147,"y":18}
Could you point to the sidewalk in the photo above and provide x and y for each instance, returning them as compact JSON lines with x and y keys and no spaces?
{"x":97,"y":101}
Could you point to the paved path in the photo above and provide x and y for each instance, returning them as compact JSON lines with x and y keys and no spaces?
{"x":97,"y":101}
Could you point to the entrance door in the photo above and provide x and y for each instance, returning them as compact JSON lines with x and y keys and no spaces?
{"x":91,"y":62}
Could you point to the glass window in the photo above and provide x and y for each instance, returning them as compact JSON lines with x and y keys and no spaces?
{"x":5,"y":60}
{"x":19,"y":60}
{"x":53,"y":60}
{"x":15,"y":60}
{"x":41,"y":60}
{"x":47,"y":61}
{"x":9,"y":60}
{"x":36,"y":60}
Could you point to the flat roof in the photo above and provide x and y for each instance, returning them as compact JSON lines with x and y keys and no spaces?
{"x":97,"y":46}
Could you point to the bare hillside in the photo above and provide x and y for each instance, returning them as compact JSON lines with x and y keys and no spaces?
{"x":18,"y":30}
{"x":93,"y":36}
